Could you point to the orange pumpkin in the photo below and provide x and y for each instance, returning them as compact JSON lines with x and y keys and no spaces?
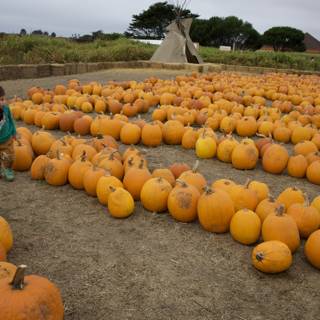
{"x":154,"y":194}
{"x":260,"y":188}
{"x":3,"y":253}
{"x":282,"y":227}
{"x":182,"y":202}
{"x":265,"y":207}
{"x":178,"y":168}
{"x":134,"y":180}
{"x":41,"y":142}
{"x":306,"y":217}
{"x":165,"y":174}
{"x":22,"y":156}
{"x":313,"y":172}
{"x":247,"y":126}
{"x":297,"y":166}
{"x":271,"y":257}
{"x":224,"y":184}
{"x":45,"y":296}
{"x":103,"y":187}
{"x":38,"y":167}
{"x":56,"y":171}
{"x":91,"y":178}
{"x":225,"y":149}
{"x":120,"y":203}
{"x":245,"y":226}
{"x":173,"y":132}
{"x":151,"y":135}
{"x":130,"y":134}
{"x":290,"y":196}
{"x":245,"y":156}
{"x":77,"y":171}
{"x":215,"y":210}
{"x":275,"y":159}
{"x":311,"y":249}
{"x":112,"y":165}
{"x":243,"y":197}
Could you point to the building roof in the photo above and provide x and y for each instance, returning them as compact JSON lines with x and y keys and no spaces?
{"x":311,"y":43}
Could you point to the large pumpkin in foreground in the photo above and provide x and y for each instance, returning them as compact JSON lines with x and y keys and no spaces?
{"x":30,"y":298}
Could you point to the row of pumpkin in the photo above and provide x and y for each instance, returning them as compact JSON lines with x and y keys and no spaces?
{"x":242,"y":155}
{"x":245,"y":210}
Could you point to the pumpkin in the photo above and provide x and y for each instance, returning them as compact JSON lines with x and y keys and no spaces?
{"x":22,"y":156}
{"x":305,"y":148}
{"x":130,"y":134}
{"x":312,"y":157}
{"x":120,"y":203}
{"x":25,"y":132}
{"x":282,"y":134}
{"x":245,"y":226}
{"x":271,"y":257}
{"x":38,"y":167}
{"x":189,"y":139}
{"x":111,"y":127}
{"x":6,"y":237}
{"x":66,"y":121}
{"x":245,"y":156}
{"x":173,"y":131}
{"x":182,"y":202}
{"x":151,"y":135}
{"x":282,"y":227}
{"x":243,"y":197}
{"x":56,"y":171}
{"x":194,"y":178}
{"x":215,"y":210}
{"x":77,"y":171}
{"x":306,"y":217}
{"x":7,"y":270}
{"x":178,"y":168}
{"x":224,"y":184}
{"x":312,"y":248}
{"x":225,"y":149}
{"x":206,"y":147}
{"x":313,"y":172}
{"x":103,"y":187}
{"x":290,"y":196}
{"x":82,"y":126}
{"x":265,"y":207}
{"x":60,"y":146}
{"x":300,"y":134}
{"x":154,"y":194}
{"x":130,"y":152}
{"x":260,"y":188}
{"x":100,"y":142}
{"x":113,"y":165}
{"x":247,"y":126}
{"x":3,"y":253}
{"x":83,"y":148}
{"x":297,"y":166}
{"x":316,"y":203}
{"x":275,"y":159}
{"x":165,"y":174}
{"x":41,"y":142}
{"x":91,"y":178}
{"x":32,"y":297}
{"x":135,"y":178}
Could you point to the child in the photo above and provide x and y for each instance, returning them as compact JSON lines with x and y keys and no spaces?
{"x":7,"y":136}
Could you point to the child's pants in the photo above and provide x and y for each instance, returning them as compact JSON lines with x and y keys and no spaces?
{"x":6,"y":154}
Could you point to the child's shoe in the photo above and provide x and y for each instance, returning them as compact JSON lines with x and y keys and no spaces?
{"x":8,"y":174}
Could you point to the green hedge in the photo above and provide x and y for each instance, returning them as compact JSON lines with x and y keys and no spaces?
{"x":41,"y":49}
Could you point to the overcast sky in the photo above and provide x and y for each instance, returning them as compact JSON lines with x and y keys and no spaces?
{"x":67,"y":17}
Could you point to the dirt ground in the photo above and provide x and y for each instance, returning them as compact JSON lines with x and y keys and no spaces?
{"x":148,"y":266}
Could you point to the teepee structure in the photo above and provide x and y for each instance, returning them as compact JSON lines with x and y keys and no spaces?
{"x":177,"y":45}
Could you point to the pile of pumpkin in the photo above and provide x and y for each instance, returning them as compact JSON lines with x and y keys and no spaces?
{"x":24,"y":296}
{"x":118,"y":180}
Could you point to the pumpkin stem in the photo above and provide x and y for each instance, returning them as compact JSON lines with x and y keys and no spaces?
{"x":83,"y":156}
{"x":280,"y":210}
{"x":18,"y":278}
{"x":208,"y":190}
{"x":113,"y":189}
{"x":141,"y":164}
{"x":195,"y":167}
{"x":19,"y":142}
{"x":183,"y":183}
{"x":260,"y":256}
{"x":247,"y":183}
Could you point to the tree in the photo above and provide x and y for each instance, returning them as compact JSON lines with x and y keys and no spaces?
{"x":229,"y":31}
{"x":23,"y":32}
{"x":152,"y":23}
{"x":53,"y":35}
{"x":284,"y":38}
{"x":37,"y":32}
{"x":46,"y":33}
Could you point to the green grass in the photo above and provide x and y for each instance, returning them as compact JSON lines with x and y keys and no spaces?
{"x":41,"y":49}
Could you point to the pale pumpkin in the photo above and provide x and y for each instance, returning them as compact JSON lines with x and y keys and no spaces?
{"x":245,"y":226}
{"x":120,"y":203}
{"x":206,"y":147}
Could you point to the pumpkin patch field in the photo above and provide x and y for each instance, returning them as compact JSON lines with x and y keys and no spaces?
{"x":155,"y":194}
